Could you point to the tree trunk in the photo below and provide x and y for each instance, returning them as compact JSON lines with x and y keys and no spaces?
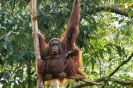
{"x":35,"y":37}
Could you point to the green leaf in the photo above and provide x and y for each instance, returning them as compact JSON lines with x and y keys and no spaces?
{"x":10,"y":45}
{"x":116,"y":36}
{"x":25,"y":41}
{"x":7,"y":36}
{"x":120,"y":21}
{"x":101,"y":53}
{"x":109,"y":50}
{"x":19,"y":73}
{"x":1,"y":13}
{"x":5,"y":45}
{"x":110,"y":59}
{"x":10,"y":60}
{"x":1,"y":62}
{"x":119,"y":50}
{"x":21,"y":5}
{"x":22,"y":53}
{"x":93,"y":63}
{"x":15,"y":49}
{"x":6,"y":75}
{"x":18,"y":39}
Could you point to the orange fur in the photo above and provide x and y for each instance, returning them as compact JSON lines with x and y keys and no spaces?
{"x":68,"y":60}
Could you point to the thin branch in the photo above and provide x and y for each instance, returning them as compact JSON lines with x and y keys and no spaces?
{"x":119,"y":81}
{"x":86,"y":81}
{"x":14,"y":2}
{"x":115,"y":80}
{"x":124,"y":62}
{"x":103,"y":79}
{"x":116,"y":10}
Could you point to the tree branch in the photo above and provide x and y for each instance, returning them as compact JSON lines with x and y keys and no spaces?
{"x":115,"y":80}
{"x":105,"y":79}
{"x":110,"y":9}
{"x":123,"y":62}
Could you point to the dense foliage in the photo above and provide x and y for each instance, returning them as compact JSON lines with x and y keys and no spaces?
{"x":105,"y":38}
